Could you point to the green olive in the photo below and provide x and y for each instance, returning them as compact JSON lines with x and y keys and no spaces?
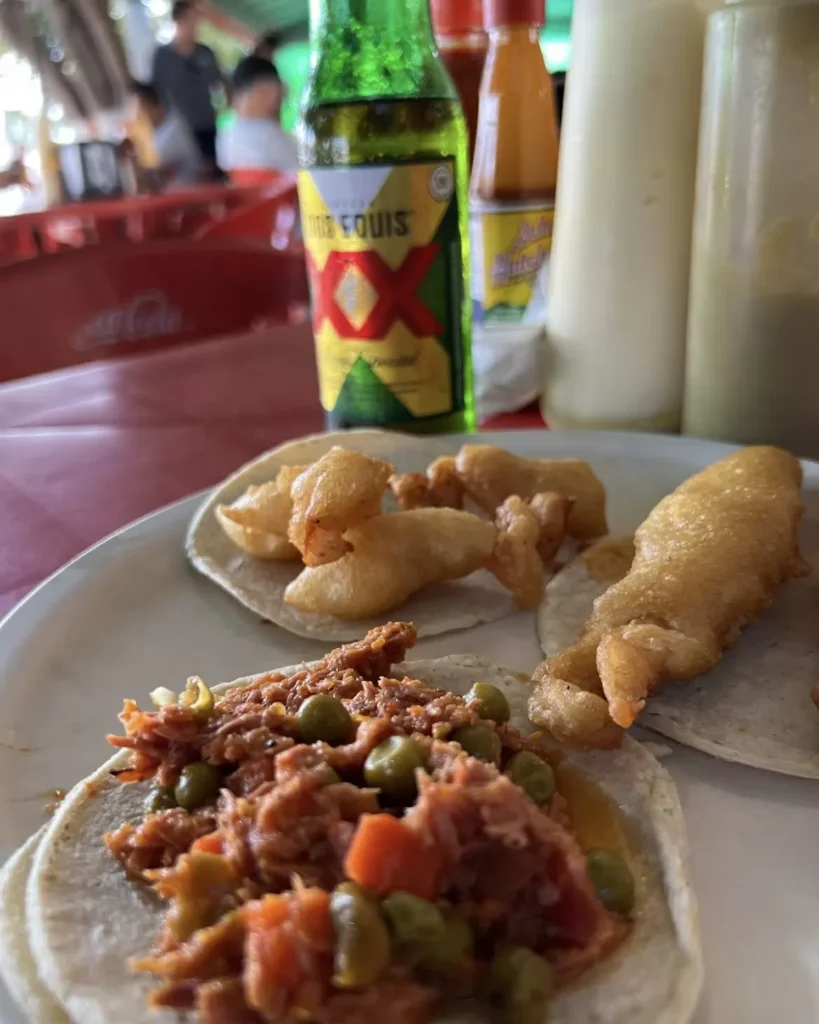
{"x":417,"y":926}
{"x":391,"y":768}
{"x":489,"y":702}
{"x":453,"y":949}
{"x":362,"y":939}
{"x":479,"y":741}
{"x":612,"y":879}
{"x":534,"y":776}
{"x":199,"y":784}
{"x":160,"y":798}
{"x":521,"y":984}
{"x":322,"y":717}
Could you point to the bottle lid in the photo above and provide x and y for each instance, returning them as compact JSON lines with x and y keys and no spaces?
{"x":501,"y":13}
{"x":456,"y":17}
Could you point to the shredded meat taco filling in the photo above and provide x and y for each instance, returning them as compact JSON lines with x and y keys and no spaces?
{"x":335,"y":841}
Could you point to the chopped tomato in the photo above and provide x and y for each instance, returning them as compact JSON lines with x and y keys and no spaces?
{"x":387,"y":855}
{"x":311,"y":917}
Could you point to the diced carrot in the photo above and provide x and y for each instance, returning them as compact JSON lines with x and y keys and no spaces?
{"x":386,"y":855}
{"x":266,"y":913}
{"x":210,"y":843}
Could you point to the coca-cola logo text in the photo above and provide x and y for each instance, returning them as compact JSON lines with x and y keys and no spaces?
{"x":149,"y":315}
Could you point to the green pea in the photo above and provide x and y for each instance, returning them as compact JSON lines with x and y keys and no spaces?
{"x":489,"y":702}
{"x":322,"y":717}
{"x":417,"y":926}
{"x":199,"y":784}
{"x":612,"y":880}
{"x":391,"y":768}
{"x":521,"y":985}
{"x":454,"y":948}
{"x":160,"y":798}
{"x":479,"y":741}
{"x":534,"y":776}
{"x":362,"y":939}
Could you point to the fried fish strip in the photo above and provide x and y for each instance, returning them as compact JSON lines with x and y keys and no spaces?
{"x":529,"y":535}
{"x":340,"y":490}
{"x":708,"y":561}
{"x":490,"y":475}
{"x":439,"y":487}
{"x":390,"y":558}
{"x":257,"y":521}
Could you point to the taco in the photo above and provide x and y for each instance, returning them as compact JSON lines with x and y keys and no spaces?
{"x":259,"y":584}
{"x":422,"y":854}
{"x":754,"y":708}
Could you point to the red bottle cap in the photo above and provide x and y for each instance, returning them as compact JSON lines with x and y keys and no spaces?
{"x":456,"y":17}
{"x":503,"y":13}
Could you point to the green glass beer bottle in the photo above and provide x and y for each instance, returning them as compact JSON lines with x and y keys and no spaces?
{"x":383,"y":193}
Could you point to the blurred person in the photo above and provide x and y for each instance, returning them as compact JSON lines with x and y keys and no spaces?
{"x":186,"y":72}
{"x":255,"y":139}
{"x":15,"y":174}
{"x":176,"y":158}
{"x":266,"y":46}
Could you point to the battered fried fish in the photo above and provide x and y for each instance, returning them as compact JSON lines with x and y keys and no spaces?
{"x":439,"y":487}
{"x":257,"y":522}
{"x":340,"y":490}
{"x":390,"y":557}
{"x":708,"y":561}
{"x":490,"y":475}
{"x":529,"y":535}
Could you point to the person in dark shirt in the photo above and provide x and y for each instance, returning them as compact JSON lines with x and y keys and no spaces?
{"x":186,"y":72}
{"x":266,"y":46}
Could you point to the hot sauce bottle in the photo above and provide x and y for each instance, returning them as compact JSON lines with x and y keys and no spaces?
{"x":462,"y":42}
{"x":514,"y":175}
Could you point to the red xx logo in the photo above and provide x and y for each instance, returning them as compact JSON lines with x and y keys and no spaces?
{"x":396,"y":291}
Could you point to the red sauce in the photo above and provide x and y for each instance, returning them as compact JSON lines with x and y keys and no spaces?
{"x":464,"y":59}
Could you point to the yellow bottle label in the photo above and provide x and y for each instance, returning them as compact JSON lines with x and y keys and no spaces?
{"x":510,"y":260}
{"x":384,"y":258}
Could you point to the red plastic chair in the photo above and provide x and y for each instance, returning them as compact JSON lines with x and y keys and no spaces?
{"x":271,"y":221}
{"x":256,"y":177}
{"x":119,"y":299}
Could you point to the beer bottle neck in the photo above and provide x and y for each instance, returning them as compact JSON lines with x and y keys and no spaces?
{"x":389,"y":16}
{"x":374,"y":49}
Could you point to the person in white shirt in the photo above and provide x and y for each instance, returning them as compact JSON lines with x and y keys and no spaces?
{"x":181,"y":164}
{"x":255,"y":140}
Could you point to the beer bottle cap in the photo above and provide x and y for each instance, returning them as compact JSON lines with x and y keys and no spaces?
{"x":456,"y":17}
{"x":503,"y":13}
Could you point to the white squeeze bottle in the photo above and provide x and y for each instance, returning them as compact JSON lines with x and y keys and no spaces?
{"x":621,"y":250}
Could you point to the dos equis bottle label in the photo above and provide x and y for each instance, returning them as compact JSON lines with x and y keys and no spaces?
{"x":385,"y":262}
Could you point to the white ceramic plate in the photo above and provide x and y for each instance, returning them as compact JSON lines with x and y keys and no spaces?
{"x":130,"y":614}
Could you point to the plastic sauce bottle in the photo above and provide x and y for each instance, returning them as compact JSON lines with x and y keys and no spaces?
{"x":462,"y":42}
{"x":515,"y":171}
{"x":753,"y":323}
{"x":618,"y":293}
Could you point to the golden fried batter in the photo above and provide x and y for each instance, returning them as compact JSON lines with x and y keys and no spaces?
{"x":390,"y":558}
{"x":490,"y":475}
{"x":343,"y":488}
{"x":708,"y":561}
{"x":257,"y":521}
{"x":440,"y":487}
{"x":527,"y":531}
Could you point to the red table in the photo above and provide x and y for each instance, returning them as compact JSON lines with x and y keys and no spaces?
{"x":86,"y":450}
